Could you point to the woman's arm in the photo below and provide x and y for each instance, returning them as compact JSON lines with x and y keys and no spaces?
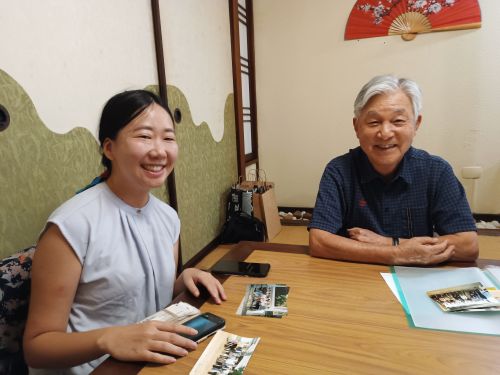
{"x":55,"y":277}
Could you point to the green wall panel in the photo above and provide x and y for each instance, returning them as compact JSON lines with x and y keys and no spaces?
{"x":204,"y":173}
{"x":40,"y":169}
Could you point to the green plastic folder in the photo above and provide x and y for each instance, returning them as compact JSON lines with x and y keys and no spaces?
{"x":412,"y":284}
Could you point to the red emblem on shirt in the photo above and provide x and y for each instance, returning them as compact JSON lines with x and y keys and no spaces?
{"x":362,"y":203}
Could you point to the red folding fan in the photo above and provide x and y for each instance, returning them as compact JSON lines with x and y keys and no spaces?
{"x":371,"y":18}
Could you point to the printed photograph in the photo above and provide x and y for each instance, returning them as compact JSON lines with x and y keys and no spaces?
{"x":469,"y":297}
{"x":227,"y":354}
{"x":269,"y":300}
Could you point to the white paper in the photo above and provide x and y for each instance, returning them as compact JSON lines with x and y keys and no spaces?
{"x":391,"y":284}
{"x":176,"y":313}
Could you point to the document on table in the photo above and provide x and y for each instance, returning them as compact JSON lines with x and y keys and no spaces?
{"x":413,"y":283}
{"x":493,"y":272}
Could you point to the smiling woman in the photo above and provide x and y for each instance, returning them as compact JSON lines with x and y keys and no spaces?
{"x":143,"y":154}
{"x":107,"y":257}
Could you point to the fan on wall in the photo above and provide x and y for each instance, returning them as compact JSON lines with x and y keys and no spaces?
{"x":371,"y":18}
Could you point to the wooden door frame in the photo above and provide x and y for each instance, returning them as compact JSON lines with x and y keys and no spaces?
{"x":162,"y":84}
{"x":234,"y":17}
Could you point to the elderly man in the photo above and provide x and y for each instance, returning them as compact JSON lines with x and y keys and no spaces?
{"x":385,"y":201}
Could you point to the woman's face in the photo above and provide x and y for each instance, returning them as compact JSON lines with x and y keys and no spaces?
{"x":143,"y":153}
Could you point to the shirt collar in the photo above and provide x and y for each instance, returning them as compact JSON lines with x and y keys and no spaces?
{"x":368,"y":173}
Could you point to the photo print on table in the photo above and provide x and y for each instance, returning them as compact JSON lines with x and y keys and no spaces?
{"x":465,"y":298}
{"x":227,"y":354}
{"x":269,"y":300}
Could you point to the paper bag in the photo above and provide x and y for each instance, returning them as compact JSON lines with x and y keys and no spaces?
{"x":254,"y":185}
{"x":264,"y":203}
{"x":256,"y":179}
{"x":265,"y":208}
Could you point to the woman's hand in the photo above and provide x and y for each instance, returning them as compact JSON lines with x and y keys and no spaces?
{"x":190,"y":277}
{"x":151,"y":341}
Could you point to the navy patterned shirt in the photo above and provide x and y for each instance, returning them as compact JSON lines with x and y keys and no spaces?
{"x":423,"y":197}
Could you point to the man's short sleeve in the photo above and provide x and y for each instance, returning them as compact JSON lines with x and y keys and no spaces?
{"x":328,"y":210}
{"x":450,"y":212}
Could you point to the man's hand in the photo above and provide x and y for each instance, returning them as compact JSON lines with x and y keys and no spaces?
{"x":367,"y":236}
{"x":422,"y":251}
{"x":417,"y":250}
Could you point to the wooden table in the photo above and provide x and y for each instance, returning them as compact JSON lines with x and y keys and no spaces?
{"x":343,"y":319}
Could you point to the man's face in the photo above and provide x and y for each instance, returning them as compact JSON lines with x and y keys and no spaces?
{"x":385,"y":129}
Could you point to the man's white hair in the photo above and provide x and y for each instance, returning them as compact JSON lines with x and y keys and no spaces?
{"x":387,"y":84}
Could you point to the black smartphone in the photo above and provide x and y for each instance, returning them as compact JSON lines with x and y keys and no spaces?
{"x":232,"y":267}
{"x":206,"y":324}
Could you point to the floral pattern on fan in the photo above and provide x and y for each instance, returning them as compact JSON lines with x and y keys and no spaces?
{"x":372,"y":18}
{"x":425,"y":7}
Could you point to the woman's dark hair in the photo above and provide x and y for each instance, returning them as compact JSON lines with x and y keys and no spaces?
{"x":120,"y":110}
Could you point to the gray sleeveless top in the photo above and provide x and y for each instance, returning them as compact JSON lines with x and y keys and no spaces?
{"x":127,"y":258}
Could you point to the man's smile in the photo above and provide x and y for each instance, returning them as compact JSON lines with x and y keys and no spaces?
{"x":385,"y":147}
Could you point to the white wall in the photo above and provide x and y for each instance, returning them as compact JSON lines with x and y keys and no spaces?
{"x":197,"y":47}
{"x":308,"y":77}
{"x":71,"y":56}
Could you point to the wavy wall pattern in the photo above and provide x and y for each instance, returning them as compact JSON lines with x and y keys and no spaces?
{"x":204,"y":173}
{"x":40,"y":169}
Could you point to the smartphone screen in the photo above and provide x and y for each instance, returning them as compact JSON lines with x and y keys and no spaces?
{"x":230,"y":267}
{"x":206,"y":324}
